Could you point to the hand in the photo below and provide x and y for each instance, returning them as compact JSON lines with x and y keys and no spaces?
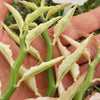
{"x":84,"y":23}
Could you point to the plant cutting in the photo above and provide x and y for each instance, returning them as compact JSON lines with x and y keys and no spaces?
{"x":28,"y":35}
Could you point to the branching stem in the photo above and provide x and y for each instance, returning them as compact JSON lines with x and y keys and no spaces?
{"x":88,"y":81}
{"x":49,"y":72}
{"x":15,"y":70}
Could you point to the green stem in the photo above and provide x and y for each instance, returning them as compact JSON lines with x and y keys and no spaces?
{"x":88,"y":81}
{"x":14,"y":71}
{"x":49,"y":72}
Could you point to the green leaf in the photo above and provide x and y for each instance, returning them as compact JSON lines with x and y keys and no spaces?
{"x":76,"y":44}
{"x":38,"y":30}
{"x":35,"y":14}
{"x":31,"y":50}
{"x":72,"y":90}
{"x":55,"y":9}
{"x":17,"y":16}
{"x":61,"y":25}
{"x":32,"y":5}
{"x":75,"y":68}
{"x":43,"y":66}
{"x":68,"y":62}
{"x":15,"y":26}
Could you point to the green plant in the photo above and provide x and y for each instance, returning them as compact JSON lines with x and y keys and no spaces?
{"x":25,"y":38}
{"x":27,"y":35}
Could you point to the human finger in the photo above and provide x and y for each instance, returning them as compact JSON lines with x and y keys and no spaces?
{"x":84,"y":23}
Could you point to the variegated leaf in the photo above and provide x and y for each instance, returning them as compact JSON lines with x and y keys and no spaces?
{"x":75,"y":71}
{"x":68,"y":62}
{"x":8,"y":55}
{"x":30,"y":82}
{"x":29,"y":4}
{"x":43,"y":66}
{"x":75,"y":68}
{"x":55,"y":9}
{"x":61,"y":25}
{"x":31,"y":50}
{"x":76,"y":44}
{"x":62,"y":48}
{"x":35,"y":14}
{"x":17,"y":16}
{"x":5,"y":49}
{"x":12,"y":34}
{"x":38,"y":30}
{"x":72,"y":90}
{"x":61,"y":88}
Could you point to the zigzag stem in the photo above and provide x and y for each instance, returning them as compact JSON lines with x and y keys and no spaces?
{"x":15,"y":70}
{"x":89,"y":78}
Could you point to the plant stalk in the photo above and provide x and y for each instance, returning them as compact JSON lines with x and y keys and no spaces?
{"x":49,"y":72}
{"x":15,"y":70}
{"x":88,"y":81}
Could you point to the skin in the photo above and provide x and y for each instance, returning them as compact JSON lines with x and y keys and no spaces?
{"x":84,"y":23}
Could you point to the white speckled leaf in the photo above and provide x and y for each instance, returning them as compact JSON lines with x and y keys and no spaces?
{"x":30,"y":82}
{"x":5,"y":49}
{"x":72,"y":90}
{"x":12,"y":34}
{"x":61,"y":88}
{"x":32,"y":5}
{"x":43,"y":66}
{"x":17,"y":16}
{"x":76,"y":44}
{"x":55,"y":9}
{"x":68,"y":62}
{"x":32,"y":50}
{"x":75,"y":71}
{"x":61,"y":25}
{"x":35,"y":14}
{"x":75,"y":68}
{"x":38,"y":30}
{"x":62,"y":48}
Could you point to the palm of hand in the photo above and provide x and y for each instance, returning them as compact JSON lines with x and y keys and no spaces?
{"x":23,"y":91}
